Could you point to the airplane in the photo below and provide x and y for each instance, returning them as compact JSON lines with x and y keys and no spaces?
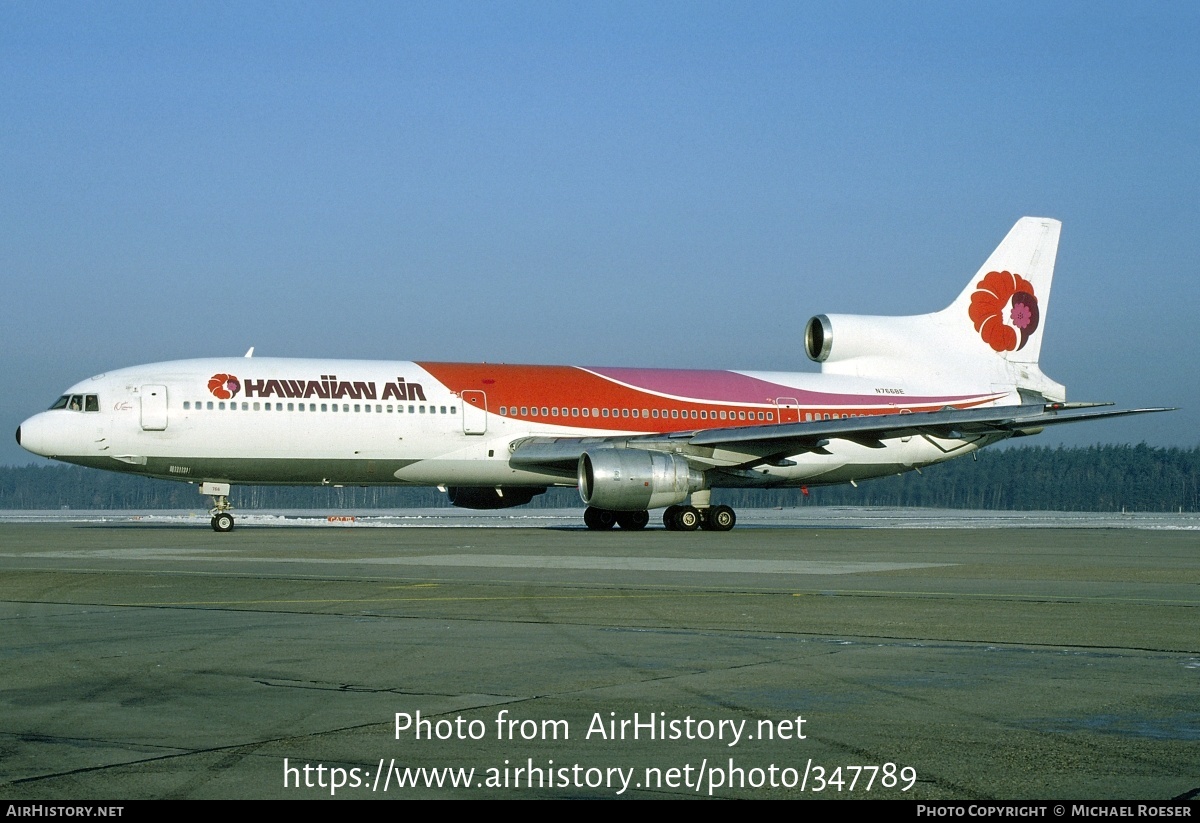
{"x":893,"y":394}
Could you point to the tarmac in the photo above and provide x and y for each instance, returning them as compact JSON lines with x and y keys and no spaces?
{"x":146,"y":660}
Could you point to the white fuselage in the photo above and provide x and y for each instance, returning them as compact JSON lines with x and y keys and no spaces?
{"x":294,"y":421}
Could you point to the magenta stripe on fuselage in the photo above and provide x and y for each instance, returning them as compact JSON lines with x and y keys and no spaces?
{"x":731,"y":387}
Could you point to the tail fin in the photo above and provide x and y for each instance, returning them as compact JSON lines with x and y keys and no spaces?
{"x":992,"y":332}
{"x":1006,"y":300}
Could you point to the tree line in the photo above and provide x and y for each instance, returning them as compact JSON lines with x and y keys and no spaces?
{"x":1094,"y":478}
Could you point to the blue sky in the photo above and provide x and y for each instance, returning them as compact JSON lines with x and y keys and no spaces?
{"x":644,"y":184}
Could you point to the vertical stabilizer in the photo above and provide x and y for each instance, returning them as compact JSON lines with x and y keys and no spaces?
{"x":991,"y":333}
{"x":1006,"y":301}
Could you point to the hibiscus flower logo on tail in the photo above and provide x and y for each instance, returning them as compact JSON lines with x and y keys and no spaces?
{"x":1004,"y":310}
{"x":223,"y":386}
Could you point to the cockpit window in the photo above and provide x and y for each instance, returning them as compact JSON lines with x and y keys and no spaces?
{"x":78,"y":402}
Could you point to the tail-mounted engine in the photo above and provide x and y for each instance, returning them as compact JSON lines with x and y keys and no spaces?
{"x":634,"y":479}
{"x":818,"y":338}
{"x":841,"y":337}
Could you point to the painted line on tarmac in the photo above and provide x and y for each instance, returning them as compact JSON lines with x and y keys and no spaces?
{"x":481,"y":599}
{"x":526,"y":561}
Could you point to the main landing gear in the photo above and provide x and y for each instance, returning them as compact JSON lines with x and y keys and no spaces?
{"x":699,"y":515}
{"x":690,"y":518}
{"x":222,"y":520}
{"x":603,"y":519}
{"x":675,"y":518}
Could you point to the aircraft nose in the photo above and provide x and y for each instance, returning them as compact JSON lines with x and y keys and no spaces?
{"x":37,"y":435}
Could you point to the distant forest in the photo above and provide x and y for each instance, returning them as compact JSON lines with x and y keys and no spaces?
{"x":1096,"y":478}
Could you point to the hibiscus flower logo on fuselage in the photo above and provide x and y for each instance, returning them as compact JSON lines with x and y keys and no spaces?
{"x":223,"y":386}
{"x":996,"y":293}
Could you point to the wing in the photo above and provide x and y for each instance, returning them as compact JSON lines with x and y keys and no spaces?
{"x":748,"y":446}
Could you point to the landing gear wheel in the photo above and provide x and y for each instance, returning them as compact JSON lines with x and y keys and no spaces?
{"x":633,"y":520}
{"x":222,"y":522}
{"x":719,"y":519}
{"x":669,"y":518}
{"x":687,"y":519}
{"x":599,"y":519}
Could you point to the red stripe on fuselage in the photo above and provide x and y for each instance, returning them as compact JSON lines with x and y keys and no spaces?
{"x":559,"y":388}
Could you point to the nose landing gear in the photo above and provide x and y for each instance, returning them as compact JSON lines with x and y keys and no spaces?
{"x":222,"y":520}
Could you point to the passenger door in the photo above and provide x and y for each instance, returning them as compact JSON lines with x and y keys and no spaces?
{"x":154,"y":408}
{"x":474,"y":405}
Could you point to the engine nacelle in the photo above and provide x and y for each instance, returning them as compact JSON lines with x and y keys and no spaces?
{"x":490,"y":497}
{"x":901,"y":347}
{"x":818,"y":338}
{"x":840,"y":337}
{"x":626,"y":480}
